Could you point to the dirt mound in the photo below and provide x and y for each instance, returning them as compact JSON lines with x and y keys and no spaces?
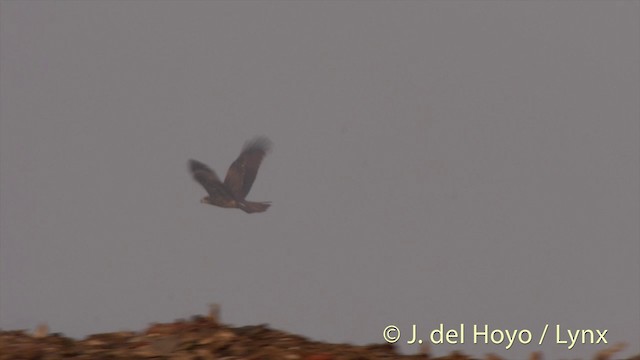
{"x":203,"y":338}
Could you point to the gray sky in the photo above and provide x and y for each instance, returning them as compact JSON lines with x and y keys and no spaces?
{"x":457,"y":162}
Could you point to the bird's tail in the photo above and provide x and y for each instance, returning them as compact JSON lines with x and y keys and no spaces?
{"x":252,"y":207}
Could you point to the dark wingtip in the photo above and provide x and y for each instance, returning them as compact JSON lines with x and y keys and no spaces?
{"x":195,"y":165}
{"x":259,"y":143}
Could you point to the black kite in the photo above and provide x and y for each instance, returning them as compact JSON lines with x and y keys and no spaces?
{"x":237,"y":183}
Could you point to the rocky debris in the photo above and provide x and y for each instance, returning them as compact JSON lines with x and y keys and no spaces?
{"x":204,"y":338}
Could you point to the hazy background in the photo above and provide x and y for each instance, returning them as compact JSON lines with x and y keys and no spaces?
{"x":458,"y":162}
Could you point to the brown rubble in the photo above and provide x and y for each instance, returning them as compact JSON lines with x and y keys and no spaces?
{"x":204,"y":338}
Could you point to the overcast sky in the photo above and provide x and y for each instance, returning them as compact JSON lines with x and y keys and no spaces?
{"x":473,"y":162}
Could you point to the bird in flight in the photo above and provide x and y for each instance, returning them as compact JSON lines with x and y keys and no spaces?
{"x":232,"y":192}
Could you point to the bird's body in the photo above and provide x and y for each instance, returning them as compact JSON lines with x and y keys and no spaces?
{"x":220,"y":201}
{"x":232,"y":192}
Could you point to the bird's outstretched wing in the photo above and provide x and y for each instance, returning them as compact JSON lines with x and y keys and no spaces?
{"x":243,"y":171}
{"x":208,"y":179}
